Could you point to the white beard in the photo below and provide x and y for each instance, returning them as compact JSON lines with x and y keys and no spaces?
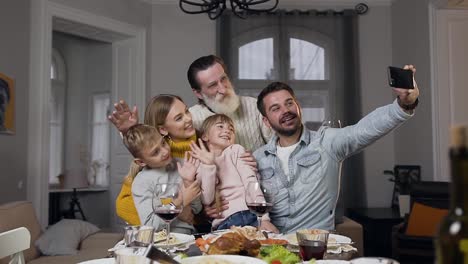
{"x":229,"y":105}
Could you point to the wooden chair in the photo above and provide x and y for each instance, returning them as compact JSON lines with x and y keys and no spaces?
{"x":13,"y":242}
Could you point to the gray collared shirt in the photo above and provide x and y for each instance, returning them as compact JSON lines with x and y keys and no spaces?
{"x":309,"y":198}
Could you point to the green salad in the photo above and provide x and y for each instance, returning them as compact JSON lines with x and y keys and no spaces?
{"x":277,"y":254}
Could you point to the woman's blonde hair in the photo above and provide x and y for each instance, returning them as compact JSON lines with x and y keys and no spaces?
{"x":158,"y":108}
{"x":212,"y":120}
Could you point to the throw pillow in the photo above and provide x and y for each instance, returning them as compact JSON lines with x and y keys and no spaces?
{"x":424,"y":220}
{"x":64,"y":237}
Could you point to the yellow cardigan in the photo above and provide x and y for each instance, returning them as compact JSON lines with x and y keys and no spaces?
{"x":124,"y":204}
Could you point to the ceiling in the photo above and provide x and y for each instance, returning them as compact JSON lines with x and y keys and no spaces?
{"x":302,"y":2}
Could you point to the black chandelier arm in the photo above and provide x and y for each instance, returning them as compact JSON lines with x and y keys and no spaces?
{"x":205,"y":8}
{"x":247,"y":6}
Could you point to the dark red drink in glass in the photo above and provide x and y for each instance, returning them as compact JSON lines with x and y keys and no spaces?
{"x":310,"y":249}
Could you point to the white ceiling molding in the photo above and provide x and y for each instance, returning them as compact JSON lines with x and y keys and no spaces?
{"x":311,"y":3}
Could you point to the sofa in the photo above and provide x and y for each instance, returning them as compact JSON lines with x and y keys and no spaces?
{"x":21,"y":213}
{"x":353,"y":230}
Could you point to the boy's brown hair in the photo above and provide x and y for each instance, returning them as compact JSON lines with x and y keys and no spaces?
{"x":139,"y":137}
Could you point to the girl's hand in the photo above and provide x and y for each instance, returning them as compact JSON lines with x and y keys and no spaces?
{"x":122,"y":117}
{"x":249,"y":160}
{"x":191,"y":192}
{"x":189,"y":169}
{"x":201,"y":153}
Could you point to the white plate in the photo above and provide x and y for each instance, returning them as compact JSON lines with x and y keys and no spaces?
{"x":339,"y":239}
{"x":99,"y":261}
{"x":330,"y":261}
{"x":373,"y":261}
{"x":181,"y":239}
{"x":234,"y":259}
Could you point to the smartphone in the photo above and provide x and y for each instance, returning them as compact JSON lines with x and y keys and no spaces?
{"x":400,"y":78}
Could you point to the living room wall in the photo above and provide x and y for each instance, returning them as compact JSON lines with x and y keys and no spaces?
{"x":14,"y":62}
{"x":15,"y":29}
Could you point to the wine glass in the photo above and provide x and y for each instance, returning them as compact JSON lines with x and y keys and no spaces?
{"x":334,"y":123}
{"x":259,"y":198}
{"x":167,"y":203}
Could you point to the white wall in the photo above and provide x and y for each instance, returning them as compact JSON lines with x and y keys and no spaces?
{"x":177,"y":40}
{"x":375,"y":55}
{"x":14,"y":62}
{"x":410,"y":43}
{"x":15,"y":29}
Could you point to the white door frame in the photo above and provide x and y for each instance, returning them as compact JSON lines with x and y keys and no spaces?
{"x":42,"y":13}
{"x":443,"y":89}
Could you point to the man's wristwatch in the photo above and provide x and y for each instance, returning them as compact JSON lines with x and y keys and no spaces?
{"x":408,"y":107}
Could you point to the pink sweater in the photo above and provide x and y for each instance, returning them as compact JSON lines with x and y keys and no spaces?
{"x":231,"y":176}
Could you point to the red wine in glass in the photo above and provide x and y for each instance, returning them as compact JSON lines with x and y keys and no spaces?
{"x":167,"y":214}
{"x":310,"y":249}
{"x":260,"y":208}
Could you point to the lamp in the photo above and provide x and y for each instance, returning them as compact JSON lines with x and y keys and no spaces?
{"x":75,"y":179}
{"x":214,"y":8}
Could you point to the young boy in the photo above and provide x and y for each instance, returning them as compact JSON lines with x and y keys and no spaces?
{"x":152,"y":153}
{"x":222,"y":170}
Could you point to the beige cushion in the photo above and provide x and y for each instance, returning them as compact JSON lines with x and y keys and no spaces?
{"x":18,"y":214}
{"x":354,"y":231}
{"x":101,"y":240}
{"x":64,"y":237}
{"x":83,"y":255}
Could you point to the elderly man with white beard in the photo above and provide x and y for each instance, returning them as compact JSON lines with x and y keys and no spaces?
{"x":210,"y":83}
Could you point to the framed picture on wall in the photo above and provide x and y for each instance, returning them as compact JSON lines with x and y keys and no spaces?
{"x":7,"y":105}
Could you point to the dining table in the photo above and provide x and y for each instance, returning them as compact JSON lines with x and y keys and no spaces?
{"x":187,"y":246}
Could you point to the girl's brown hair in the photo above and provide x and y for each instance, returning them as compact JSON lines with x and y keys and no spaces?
{"x":158,"y":108}
{"x":212,"y":120}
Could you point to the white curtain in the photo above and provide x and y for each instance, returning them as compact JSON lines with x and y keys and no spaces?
{"x":99,"y":166}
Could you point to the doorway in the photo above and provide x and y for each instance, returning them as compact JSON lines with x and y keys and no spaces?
{"x":127,"y":73}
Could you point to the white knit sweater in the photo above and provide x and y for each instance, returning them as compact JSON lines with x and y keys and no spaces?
{"x":251,"y":133}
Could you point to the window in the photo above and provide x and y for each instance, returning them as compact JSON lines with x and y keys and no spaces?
{"x":256,"y":60}
{"x":307,"y":60}
{"x":300,"y":58}
{"x":57,"y":117}
{"x":100,"y":138}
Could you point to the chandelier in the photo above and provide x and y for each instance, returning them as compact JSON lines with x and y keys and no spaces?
{"x":214,"y":8}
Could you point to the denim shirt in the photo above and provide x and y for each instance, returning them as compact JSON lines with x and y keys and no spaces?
{"x":309,"y":198}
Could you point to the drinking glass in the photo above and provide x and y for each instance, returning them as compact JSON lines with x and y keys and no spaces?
{"x":138,"y":236}
{"x":167,"y":203}
{"x":259,"y":198}
{"x":312,"y":243}
{"x":334,"y":123}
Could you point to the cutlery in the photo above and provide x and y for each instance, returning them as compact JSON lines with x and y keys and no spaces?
{"x":154,"y":253}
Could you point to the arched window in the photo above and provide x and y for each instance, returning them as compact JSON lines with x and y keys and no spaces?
{"x":307,"y":60}
{"x":298,"y":56}
{"x":256,"y":60}
{"x":57,"y":116}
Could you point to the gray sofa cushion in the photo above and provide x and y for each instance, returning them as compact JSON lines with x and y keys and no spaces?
{"x":64,"y":237}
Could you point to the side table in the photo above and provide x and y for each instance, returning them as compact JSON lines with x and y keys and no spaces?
{"x":377,"y":224}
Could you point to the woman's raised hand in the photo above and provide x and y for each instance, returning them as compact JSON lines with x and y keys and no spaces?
{"x":122,"y":117}
{"x":202,"y":153}
{"x":188,"y":170}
